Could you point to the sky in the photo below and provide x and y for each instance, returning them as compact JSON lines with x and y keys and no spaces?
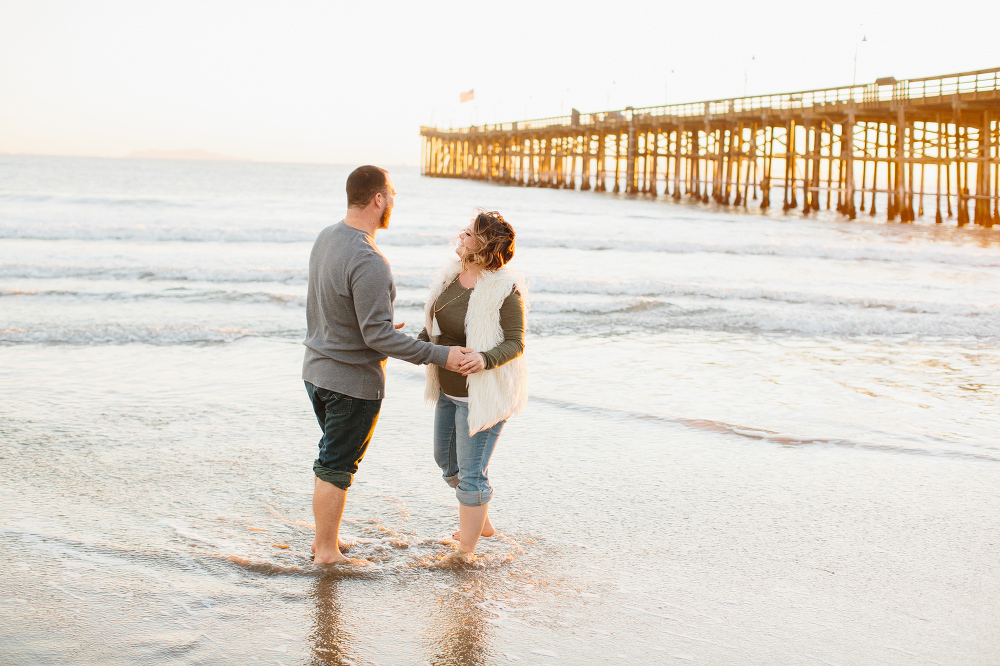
{"x":352,"y":82}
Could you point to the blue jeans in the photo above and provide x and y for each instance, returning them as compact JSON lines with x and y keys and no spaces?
{"x":464,"y":460}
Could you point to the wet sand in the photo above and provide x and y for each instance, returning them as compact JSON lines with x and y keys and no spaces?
{"x":621,"y":538}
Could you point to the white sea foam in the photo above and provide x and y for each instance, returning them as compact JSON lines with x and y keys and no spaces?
{"x":128,"y":334}
{"x":194,"y":233}
{"x":939,"y":447}
{"x":13,"y":271}
{"x":577,"y":312}
{"x":925,"y":253}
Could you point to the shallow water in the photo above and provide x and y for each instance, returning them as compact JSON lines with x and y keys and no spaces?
{"x":750,"y":439}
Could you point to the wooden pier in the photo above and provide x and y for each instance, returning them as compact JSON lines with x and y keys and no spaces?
{"x":910,"y":146}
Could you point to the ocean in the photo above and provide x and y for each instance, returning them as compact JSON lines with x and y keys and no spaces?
{"x":751,"y":438}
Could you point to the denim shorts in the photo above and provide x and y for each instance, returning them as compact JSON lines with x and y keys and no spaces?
{"x":348,"y":424}
{"x":464,"y":459}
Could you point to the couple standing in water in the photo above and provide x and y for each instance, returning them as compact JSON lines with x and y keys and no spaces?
{"x":472,"y":343}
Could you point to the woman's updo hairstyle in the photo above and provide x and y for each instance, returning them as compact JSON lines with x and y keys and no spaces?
{"x":494,"y":241}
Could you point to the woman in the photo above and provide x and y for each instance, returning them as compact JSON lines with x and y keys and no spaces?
{"x":476,"y":303}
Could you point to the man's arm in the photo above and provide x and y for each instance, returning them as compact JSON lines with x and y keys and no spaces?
{"x":371,"y":282}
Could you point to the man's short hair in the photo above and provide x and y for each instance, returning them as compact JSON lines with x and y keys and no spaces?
{"x":364,"y":183}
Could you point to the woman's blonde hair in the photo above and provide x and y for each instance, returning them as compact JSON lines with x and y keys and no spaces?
{"x":495,"y":241}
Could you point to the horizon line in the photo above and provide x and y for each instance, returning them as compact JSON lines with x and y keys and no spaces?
{"x":222,"y":158}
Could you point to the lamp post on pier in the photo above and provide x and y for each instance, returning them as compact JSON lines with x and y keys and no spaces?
{"x":854,"y":79}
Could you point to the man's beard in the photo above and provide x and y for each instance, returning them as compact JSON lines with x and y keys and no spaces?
{"x":383,"y":222}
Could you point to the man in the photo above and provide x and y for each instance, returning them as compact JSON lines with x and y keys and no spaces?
{"x":349,"y":335}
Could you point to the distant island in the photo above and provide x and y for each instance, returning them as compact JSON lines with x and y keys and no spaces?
{"x":192,"y":154}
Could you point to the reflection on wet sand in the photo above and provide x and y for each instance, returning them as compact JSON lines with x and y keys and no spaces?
{"x":465,"y":635}
{"x":330,"y":643}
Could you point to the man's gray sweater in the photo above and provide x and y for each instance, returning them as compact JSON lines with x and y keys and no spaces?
{"x":349,"y":331}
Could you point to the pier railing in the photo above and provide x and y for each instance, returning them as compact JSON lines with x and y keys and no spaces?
{"x":945,"y":127}
{"x":985,"y":81}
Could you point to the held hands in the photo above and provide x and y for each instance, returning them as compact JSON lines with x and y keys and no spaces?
{"x":465,"y":360}
{"x":456,"y":356}
{"x":472,"y":363}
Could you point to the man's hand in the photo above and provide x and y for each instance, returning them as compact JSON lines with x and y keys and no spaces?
{"x":455,"y":357}
{"x":473,"y":363}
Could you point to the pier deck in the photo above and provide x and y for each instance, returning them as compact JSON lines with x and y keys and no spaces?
{"x":935,"y":139}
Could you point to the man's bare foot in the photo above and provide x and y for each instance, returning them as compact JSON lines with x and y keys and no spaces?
{"x":343,"y":546}
{"x":350,"y":561}
{"x":336,"y":559}
{"x":488,"y":531}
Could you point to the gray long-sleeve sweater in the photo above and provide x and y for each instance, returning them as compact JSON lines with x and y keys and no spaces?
{"x":349,"y":331}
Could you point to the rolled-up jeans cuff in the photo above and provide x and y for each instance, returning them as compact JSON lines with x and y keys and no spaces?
{"x":451,"y":480}
{"x":473,"y":497}
{"x":342,"y":480}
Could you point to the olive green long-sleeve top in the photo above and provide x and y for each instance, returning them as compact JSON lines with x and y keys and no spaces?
{"x":454,"y":304}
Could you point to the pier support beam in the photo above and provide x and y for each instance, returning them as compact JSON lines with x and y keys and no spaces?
{"x":983,"y":216}
{"x":847,"y":155}
{"x":630,"y":176}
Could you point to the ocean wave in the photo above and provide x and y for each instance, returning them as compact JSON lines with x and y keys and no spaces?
{"x":149,"y":234}
{"x":880,"y":252}
{"x":102,"y":335}
{"x":547,"y":319}
{"x":104,"y":202}
{"x":215,"y":275}
{"x":637,"y":318}
{"x":190,"y":296}
{"x":751,"y":311}
{"x":784,"y":321}
{"x":603,"y":308}
{"x":652,"y":291}
{"x":935,"y":446}
{"x":551,"y":296}
{"x":231,"y":232}
{"x":240,"y":232}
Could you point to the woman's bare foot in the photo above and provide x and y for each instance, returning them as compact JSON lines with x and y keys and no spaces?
{"x":488,"y":531}
{"x":456,"y":558}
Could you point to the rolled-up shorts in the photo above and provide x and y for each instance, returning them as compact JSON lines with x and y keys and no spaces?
{"x":348,"y":425}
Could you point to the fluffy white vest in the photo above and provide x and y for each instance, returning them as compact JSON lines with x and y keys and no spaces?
{"x":497,"y":394}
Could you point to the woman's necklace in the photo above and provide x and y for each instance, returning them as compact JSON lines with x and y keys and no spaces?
{"x":464,"y":291}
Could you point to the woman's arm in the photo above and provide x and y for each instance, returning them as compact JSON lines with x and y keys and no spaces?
{"x":512,"y":323}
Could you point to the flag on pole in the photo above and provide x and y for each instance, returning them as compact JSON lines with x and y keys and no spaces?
{"x":466,"y":96}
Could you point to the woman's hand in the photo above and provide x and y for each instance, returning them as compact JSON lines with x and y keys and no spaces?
{"x":472,"y":363}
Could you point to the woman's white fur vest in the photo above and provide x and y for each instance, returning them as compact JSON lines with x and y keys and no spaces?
{"x":497,"y":394}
